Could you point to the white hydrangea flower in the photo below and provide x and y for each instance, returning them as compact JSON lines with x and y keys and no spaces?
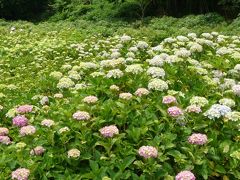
{"x":142,"y":45}
{"x":156,"y":72}
{"x":216,"y":111}
{"x":65,"y":83}
{"x":182,"y":53}
{"x":125,"y":96}
{"x":207,"y":35}
{"x":223,"y":51}
{"x":236,"y":89}
{"x":125,"y":38}
{"x":115,"y":55}
{"x":156,"y":61}
{"x":56,"y":75}
{"x":133,"y":49}
{"x":233,"y":116}
{"x":237,"y":67}
{"x":157,"y":84}
{"x":182,"y":38}
{"x":74,"y":75}
{"x":199,"y":101}
{"x":97,"y":74}
{"x":227,"y":102}
{"x":195,"y":47}
{"x":115,"y":73}
{"x":192,"y":35}
{"x":134,"y":69}
{"x":88,"y":65}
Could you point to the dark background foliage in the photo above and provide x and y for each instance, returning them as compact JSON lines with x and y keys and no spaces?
{"x":107,"y":9}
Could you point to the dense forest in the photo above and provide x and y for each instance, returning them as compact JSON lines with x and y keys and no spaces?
{"x":109,"y":9}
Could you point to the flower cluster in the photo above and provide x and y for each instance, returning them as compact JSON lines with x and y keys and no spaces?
{"x":25,"y":109}
{"x":148,"y":152}
{"x":109,"y":131}
{"x":20,"y":121}
{"x":175,"y":111}
{"x":73,"y":153}
{"x":198,"y":139}
{"x":125,"y":96}
{"x":90,"y":99}
{"x":21,"y":174}
{"x":141,"y":92}
{"x":27,"y":130}
{"x":169,"y":99}
{"x":81,"y":115}
{"x":158,"y":85}
{"x":185,"y":175}
{"x":47,"y":122}
{"x":39,"y":150}
{"x":216,"y":111}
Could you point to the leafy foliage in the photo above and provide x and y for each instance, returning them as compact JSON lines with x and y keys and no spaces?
{"x":108,"y":9}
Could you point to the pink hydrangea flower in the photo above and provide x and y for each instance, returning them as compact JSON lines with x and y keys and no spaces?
{"x":90,"y":99}
{"x":3,"y":131}
{"x":21,"y":174}
{"x":27,"y":130}
{"x":141,"y":92}
{"x":39,"y":150}
{"x":185,"y":175}
{"x":169,"y":99}
{"x":197,"y":138}
{"x":148,"y":152}
{"x":175,"y":111}
{"x":109,"y":131}
{"x":25,"y":109}
{"x":81,"y":115}
{"x":47,"y":122}
{"x":5,"y":140}
{"x":193,"y":109}
{"x":20,"y":121}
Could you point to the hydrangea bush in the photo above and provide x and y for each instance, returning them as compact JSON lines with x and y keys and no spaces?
{"x":119,"y":107}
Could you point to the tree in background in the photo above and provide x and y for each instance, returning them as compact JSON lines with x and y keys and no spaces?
{"x":107,"y":9}
{"x":23,"y":9}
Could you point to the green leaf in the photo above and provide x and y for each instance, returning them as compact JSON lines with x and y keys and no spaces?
{"x":126,"y":162}
{"x":176,"y":154}
{"x":220,"y":169}
{"x":94,"y":165}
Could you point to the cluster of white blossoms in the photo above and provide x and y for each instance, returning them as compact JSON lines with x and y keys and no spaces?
{"x":88,"y":65}
{"x":56,"y":74}
{"x":142,"y":45}
{"x":134,"y":69}
{"x":199,"y":101}
{"x":74,"y":75}
{"x":217,"y":111}
{"x":65,"y":83}
{"x":156,"y":72}
{"x":125,"y":96}
{"x":115,"y":73}
{"x":156,"y":61}
{"x":236,"y":89}
{"x":227,"y":102}
{"x":195,"y":47}
{"x":73,"y":153}
{"x":158,"y":85}
{"x":233,"y":116}
{"x":184,"y":53}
